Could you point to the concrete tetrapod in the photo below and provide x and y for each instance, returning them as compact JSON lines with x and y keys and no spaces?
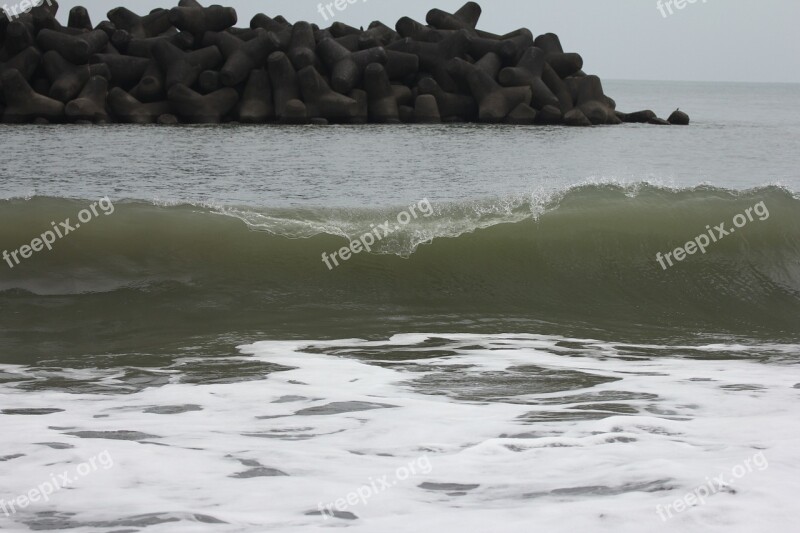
{"x":197,"y":108}
{"x":91,"y":103}
{"x":23,"y":104}
{"x":447,"y":70}
{"x":128,"y":109}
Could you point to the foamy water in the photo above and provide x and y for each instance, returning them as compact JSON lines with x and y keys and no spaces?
{"x":438,"y":433}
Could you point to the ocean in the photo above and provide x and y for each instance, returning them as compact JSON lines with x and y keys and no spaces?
{"x":566,"y":329}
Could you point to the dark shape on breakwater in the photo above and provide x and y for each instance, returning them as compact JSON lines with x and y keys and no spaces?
{"x":679,"y":118}
{"x":191,"y":64}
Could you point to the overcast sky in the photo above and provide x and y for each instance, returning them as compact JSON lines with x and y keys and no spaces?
{"x":709,"y":40}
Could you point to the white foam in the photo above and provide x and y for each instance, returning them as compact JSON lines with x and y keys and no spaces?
{"x":673,"y":423}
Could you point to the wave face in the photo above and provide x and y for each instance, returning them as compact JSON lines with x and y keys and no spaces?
{"x":583,"y":259}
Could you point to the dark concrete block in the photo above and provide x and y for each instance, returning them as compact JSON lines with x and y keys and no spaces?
{"x":126,"y":71}
{"x":128,"y":109}
{"x":378,"y":34}
{"x":285,"y":87}
{"x":522,"y":115}
{"x":549,"y":115}
{"x":91,"y":103}
{"x":450,"y":104}
{"x":195,"y":108}
{"x":181,"y":67}
{"x":426,"y":110}
{"x":151,"y":86}
{"x":67,"y":80}
{"x":294,"y":112}
{"x":256,"y":106}
{"x":74,"y":48}
{"x":321,"y":100}
{"x":528,"y":72}
{"x":79,"y":19}
{"x":140,"y":27}
{"x":19,"y":36}
{"x":382,"y":102}
{"x":575,"y":117}
{"x":362,"y":106}
{"x":26,"y":62}
{"x":251,"y":55}
{"x":639,"y":117}
{"x":23,"y":104}
{"x":198,"y":20}
{"x":679,"y":118}
{"x":144,"y":47}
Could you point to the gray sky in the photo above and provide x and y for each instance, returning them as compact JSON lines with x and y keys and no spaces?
{"x":709,"y":40}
